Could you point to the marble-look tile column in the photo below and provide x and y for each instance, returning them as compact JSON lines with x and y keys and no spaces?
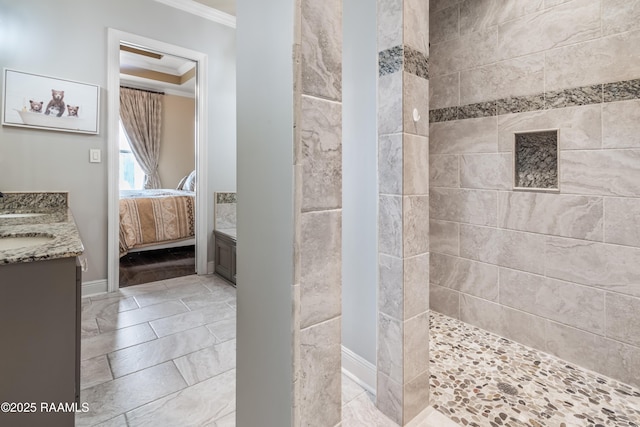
{"x":318,"y":213}
{"x":403,"y":212}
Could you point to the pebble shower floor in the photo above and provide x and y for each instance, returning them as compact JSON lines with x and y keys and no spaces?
{"x":480,"y":379}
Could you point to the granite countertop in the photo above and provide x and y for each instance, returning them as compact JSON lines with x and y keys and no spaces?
{"x":55,"y":220}
{"x":231,"y":232}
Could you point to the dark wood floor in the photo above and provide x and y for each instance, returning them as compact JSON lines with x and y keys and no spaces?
{"x":150,"y":266}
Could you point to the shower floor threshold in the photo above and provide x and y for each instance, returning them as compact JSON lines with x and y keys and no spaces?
{"x":481,"y":379}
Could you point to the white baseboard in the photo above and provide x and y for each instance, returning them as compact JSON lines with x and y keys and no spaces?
{"x":94,"y":287}
{"x":359,"y":369}
{"x":210,"y":267}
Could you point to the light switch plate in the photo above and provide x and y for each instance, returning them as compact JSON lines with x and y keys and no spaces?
{"x":94,"y":155}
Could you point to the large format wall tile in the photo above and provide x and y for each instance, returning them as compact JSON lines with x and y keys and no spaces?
{"x":416,"y":24}
{"x":320,"y":386}
{"x":415,"y":225}
{"x":468,"y":206}
{"x":322,"y":49}
{"x":443,"y":170}
{"x":505,"y":79}
{"x":561,"y":26}
{"x":390,"y":348}
{"x":621,"y":124}
{"x":389,"y":104}
{"x":444,"y":91}
{"x":416,"y":393}
{"x":609,"y":59}
{"x":622,"y":217}
{"x":389,"y":24}
{"x":416,"y":285}
{"x":390,"y":225}
{"x":472,"y":50}
{"x":416,"y":346}
{"x":606,"y":172}
{"x":444,"y":237}
{"x":619,"y":16}
{"x":443,"y":24}
{"x":444,"y":300}
{"x":471,"y":277}
{"x":415,"y":94}
{"x":610,"y":267}
{"x":512,"y":324}
{"x":568,"y":303}
{"x":321,"y":138}
{"x":580,"y":127}
{"x":389,"y":397}
{"x":390,"y":286}
{"x":464,"y":136}
{"x":415,"y":158}
{"x":580,"y":217}
{"x":571,"y":344}
{"x":487,"y":171}
{"x":512,"y":249}
{"x":618,"y":360}
{"x":390,"y":173}
{"x":623,"y":321}
{"x":320,"y":263}
{"x":476,"y":15}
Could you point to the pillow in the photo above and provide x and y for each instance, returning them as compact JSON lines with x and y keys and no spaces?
{"x":190,"y":182}
{"x":181,"y":183}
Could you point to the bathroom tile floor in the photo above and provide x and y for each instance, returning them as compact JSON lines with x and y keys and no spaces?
{"x":154,"y":354}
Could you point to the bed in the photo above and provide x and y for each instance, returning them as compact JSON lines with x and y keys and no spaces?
{"x":155,"y":219}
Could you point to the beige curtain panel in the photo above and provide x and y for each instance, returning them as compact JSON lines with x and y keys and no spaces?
{"x":141,"y":115}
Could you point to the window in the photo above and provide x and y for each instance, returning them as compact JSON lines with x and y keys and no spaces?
{"x":131,"y":174}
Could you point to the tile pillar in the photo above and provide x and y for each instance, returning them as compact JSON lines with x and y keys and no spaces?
{"x":403,"y":210}
{"x":318,"y":213}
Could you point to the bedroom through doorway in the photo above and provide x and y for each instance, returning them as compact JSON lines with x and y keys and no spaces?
{"x":156,"y":166}
{"x":154,"y":215}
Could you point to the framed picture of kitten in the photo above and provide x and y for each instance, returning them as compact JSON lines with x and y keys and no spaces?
{"x":42,"y":102}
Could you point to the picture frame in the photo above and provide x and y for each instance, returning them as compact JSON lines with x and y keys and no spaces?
{"x":41,"y":102}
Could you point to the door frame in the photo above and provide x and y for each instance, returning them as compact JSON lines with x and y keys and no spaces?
{"x":115,"y":38}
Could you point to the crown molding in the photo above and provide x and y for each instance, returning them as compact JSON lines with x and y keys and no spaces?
{"x":202,"y":11}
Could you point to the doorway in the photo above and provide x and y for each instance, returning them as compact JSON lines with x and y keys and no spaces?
{"x":117,"y":39}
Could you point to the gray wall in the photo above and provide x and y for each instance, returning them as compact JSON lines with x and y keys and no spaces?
{"x":265,"y":213}
{"x":559,"y":272}
{"x":68,"y":39}
{"x":359,"y":179}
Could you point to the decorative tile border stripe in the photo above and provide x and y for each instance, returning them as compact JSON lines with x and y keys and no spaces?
{"x":416,"y":62}
{"x":585,"y":95}
{"x":391,"y":61}
{"x":226,"y":198}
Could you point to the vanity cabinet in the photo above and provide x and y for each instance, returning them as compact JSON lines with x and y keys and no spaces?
{"x":225,"y":255}
{"x":40,"y":317}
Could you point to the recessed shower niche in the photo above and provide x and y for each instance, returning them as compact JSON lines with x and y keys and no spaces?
{"x":536,"y":160}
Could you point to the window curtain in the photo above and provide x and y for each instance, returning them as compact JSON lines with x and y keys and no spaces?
{"x":141,"y":115}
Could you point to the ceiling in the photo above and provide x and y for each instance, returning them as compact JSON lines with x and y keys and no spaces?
{"x":143,"y":69}
{"x":146,"y":69}
{"x":226,"y":6}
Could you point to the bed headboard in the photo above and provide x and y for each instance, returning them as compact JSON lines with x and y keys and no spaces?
{"x":224,"y":210}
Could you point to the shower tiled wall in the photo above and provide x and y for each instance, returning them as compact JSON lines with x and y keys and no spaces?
{"x":403,"y":209}
{"x":559,"y":272}
{"x":316,"y":293}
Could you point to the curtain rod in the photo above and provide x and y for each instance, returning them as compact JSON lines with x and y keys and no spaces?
{"x":142,"y":90}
